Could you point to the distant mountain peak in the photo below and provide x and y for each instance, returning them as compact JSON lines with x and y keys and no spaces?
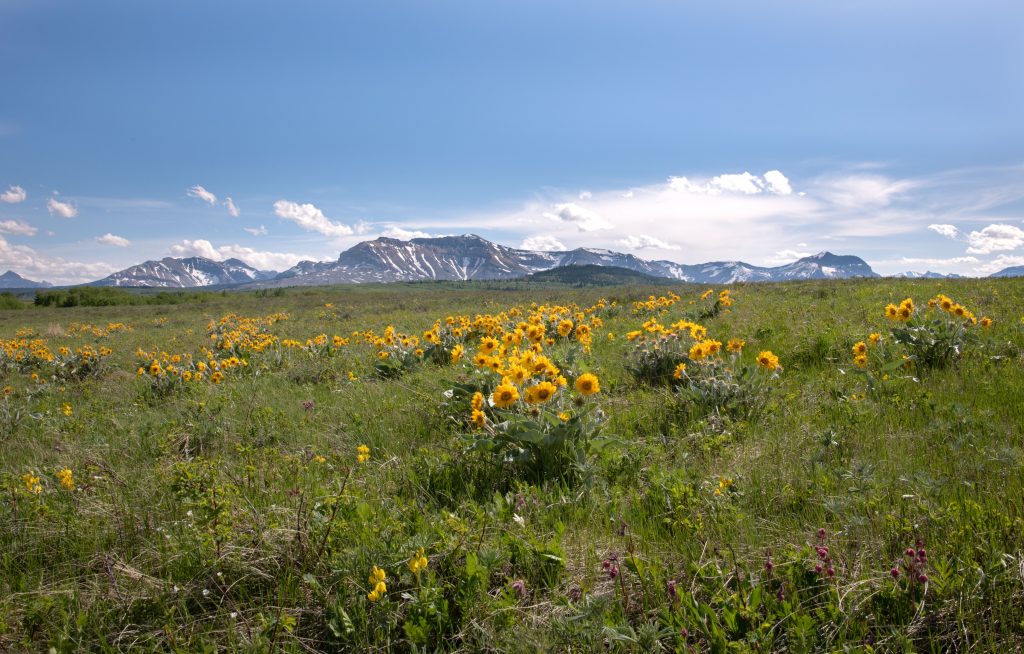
{"x":11,"y":279}
{"x":187,"y":272}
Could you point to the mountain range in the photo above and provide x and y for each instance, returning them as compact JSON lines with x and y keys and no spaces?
{"x":466,"y":257}
{"x":472,"y":257}
{"x":188,"y":272}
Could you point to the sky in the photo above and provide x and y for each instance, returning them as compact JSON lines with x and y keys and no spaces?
{"x":690,"y":131}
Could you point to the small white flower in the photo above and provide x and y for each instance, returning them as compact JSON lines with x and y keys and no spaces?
{"x":234,"y":614}
{"x":206,"y":592}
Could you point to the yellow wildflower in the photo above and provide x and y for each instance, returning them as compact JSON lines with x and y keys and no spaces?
{"x":418,"y":562}
{"x":32,"y":483}
{"x":588,"y":384}
{"x":362,"y":454}
{"x":767,"y":360}
{"x":505,"y":396}
{"x":66,"y":478}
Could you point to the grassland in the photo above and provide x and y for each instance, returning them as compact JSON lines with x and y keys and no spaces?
{"x":203,"y":516}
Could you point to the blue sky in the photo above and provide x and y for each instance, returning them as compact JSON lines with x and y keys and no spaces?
{"x":688,"y":131}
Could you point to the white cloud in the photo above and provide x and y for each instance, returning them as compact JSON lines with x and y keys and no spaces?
{"x":17,"y":228}
{"x":1000,"y":262}
{"x":13,"y":195}
{"x":777,"y":182}
{"x":745,"y":183}
{"x":116,"y":241}
{"x":644,"y":242}
{"x":585,"y":195}
{"x":403,"y":234}
{"x":63,"y":209}
{"x":233,"y":209}
{"x":861,"y":191}
{"x":782,"y":257}
{"x":257,"y":231}
{"x":29,"y":263}
{"x":930,"y":261}
{"x":584,"y":219}
{"x":261,"y":260}
{"x":543,"y":244}
{"x":995,"y":238}
{"x":309,"y":218}
{"x":949,"y":231}
{"x":198,"y":191}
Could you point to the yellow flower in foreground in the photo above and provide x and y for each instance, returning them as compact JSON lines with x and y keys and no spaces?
{"x":678,"y":372}
{"x":66,"y":478}
{"x":859,"y":348}
{"x":377,"y":577}
{"x":735,"y":344}
{"x":588,"y":384}
{"x":861,"y":360}
{"x":540,"y":393}
{"x":874,"y":337}
{"x":767,"y":360}
{"x":31,"y":482}
{"x":504,"y":396}
{"x":418,"y":562}
{"x":478,"y":418}
{"x":362,"y":454}
{"x":985,"y":322}
{"x":68,"y":411}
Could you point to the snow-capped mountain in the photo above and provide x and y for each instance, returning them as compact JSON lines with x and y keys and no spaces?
{"x":189,"y":272}
{"x":472,"y":257}
{"x":11,"y":279}
{"x":910,"y":274}
{"x":1012,"y":271}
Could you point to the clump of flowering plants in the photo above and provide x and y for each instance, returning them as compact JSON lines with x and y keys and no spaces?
{"x":935,"y":337}
{"x":532,"y":416}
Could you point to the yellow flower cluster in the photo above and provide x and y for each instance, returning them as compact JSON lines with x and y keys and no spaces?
{"x":767,"y":360}
{"x":418,"y":562}
{"x":362,"y":454}
{"x":32,"y":483}
{"x":377,"y":577}
{"x":66,"y":478}
{"x":901,"y":313}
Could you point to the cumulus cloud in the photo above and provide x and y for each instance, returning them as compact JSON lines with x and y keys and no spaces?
{"x":777,"y":182}
{"x":17,"y":228}
{"x":1000,"y":262}
{"x":198,"y":191}
{"x":63,"y":209}
{"x":949,"y":231}
{"x":585,"y":195}
{"x":644,"y":242}
{"x":584,"y":219}
{"x":29,"y":263}
{"x":116,"y":241}
{"x":261,"y":260}
{"x":745,"y":183}
{"x":404,"y":234}
{"x":542,"y":244}
{"x":257,"y":231}
{"x":309,"y":218}
{"x":13,"y":195}
{"x":995,"y":238}
{"x":233,"y":209}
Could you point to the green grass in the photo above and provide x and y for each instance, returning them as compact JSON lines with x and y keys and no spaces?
{"x":203,"y":520}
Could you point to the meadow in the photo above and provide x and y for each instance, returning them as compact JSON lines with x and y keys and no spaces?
{"x":516,"y":467}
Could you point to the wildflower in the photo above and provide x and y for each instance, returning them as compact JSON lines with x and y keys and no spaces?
{"x":874,"y":338}
{"x":564,"y":416}
{"x":505,"y":396}
{"x":588,"y":384}
{"x":217,"y":377}
{"x":540,"y":393}
{"x":67,"y":410}
{"x":735,"y":345}
{"x":892,"y":312}
{"x":985,"y":322}
{"x":678,"y":372}
{"x":377,"y":577}
{"x":519,"y":587}
{"x":478,"y":418}
{"x":319,"y":459}
{"x":860,"y":347}
{"x":418,"y":562}
{"x":362,"y":454}
{"x":66,"y":478}
{"x":352,"y":376}
{"x":478,"y":401}
{"x":767,"y":360}
{"x":861,"y":361}
{"x":457,"y":353}
{"x":32,"y":483}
